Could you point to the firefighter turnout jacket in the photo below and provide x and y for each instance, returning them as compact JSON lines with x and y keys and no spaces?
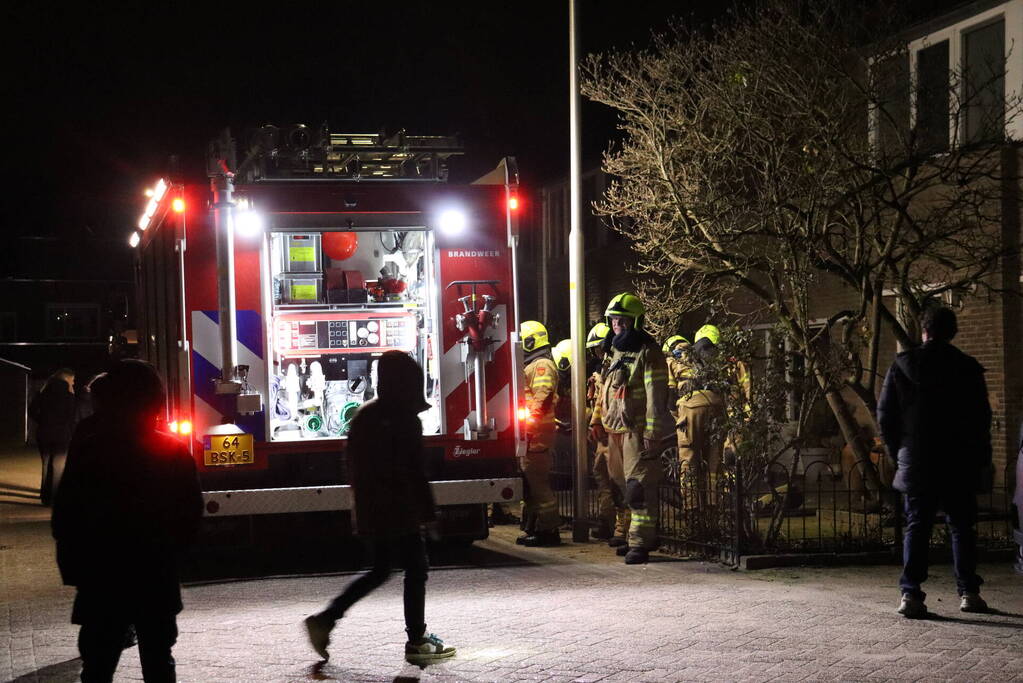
{"x":541,"y":391}
{"x":633,"y":389}
{"x":679,"y":374}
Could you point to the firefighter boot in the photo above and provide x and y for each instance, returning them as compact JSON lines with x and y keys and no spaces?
{"x":637,"y":556}
{"x":543,"y":539}
{"x":623,"y":518}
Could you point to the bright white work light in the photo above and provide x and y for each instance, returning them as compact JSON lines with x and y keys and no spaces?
{"x":452,"y":222}
{"x":248,"y":223}
{"x":134,"y":239}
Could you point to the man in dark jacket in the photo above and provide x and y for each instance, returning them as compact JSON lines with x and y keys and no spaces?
{"x":54,"y":411}
{"x":393,"y":502}
{"x":128,"y":504}
{"x":936,"y":423}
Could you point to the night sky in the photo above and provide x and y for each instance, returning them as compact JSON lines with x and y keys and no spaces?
{"x":104,"y":95}
{"x":101,"y":95}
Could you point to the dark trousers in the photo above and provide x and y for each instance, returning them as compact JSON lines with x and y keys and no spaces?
{"x":410,"y":551}
{"x":100,"y":643}
{"x":48,"y":453}
{"x":961,"y":515}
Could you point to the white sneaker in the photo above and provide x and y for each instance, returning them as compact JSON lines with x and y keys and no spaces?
{"x":972,"y":602}
{"x":426,"y":650}
{"x":911,"y":607}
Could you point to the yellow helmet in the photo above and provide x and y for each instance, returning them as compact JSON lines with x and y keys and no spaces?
{"x":562,"y":353}
{"x":672,"y":342}
{"x":708,"y":332}
{"x":628,"y":305}
{"x":598,"y":333}
{"x":533,"y":335}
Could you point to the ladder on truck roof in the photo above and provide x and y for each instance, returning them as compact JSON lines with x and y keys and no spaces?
{"x":299,"y":153}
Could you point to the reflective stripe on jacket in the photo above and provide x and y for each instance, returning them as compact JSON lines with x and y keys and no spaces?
{"x":634,"y":393}
{"x":541,"y":390}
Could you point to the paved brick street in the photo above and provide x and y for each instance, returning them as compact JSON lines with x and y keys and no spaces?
{"x":569,"y":614}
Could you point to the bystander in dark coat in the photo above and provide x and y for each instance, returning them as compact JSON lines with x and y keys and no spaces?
{"x":128,"y":505}
{"x":935,"y":420}
{"x":55,"y":411}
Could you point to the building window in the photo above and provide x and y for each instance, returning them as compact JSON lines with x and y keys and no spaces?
{"x":932,"y":101}
{"x":8,"y":326}
{"x":72,"y":321}
{"x":892,"y":76}
{"x":984,"y":82}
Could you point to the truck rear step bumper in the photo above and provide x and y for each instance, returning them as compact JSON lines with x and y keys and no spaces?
{"x":326,"y":498}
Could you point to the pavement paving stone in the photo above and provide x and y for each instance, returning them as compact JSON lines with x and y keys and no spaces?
{"x":566,"y":614}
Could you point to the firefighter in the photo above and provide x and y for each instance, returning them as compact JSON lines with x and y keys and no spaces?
{"x":634,"y":419}
{"x":676,"y":353}
{"x":563,"y":449}
{"x":612,"y":515}
{"x":540,"y":518}
{"x":700,"y":404}
{"x":561,"y":354}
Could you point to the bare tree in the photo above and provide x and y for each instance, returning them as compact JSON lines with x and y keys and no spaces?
{"x":774,"y":156}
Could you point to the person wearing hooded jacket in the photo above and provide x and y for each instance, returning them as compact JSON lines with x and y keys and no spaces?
{"x":631,"y":414}
{"x":935,"y":421}
{"x":393,"y":505}
{"x":127,"y":506}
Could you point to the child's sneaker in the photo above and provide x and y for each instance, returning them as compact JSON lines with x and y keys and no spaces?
{"x":427,"y":649}
{"x":318,"y":630}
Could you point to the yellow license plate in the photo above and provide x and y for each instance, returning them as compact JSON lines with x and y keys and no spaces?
{"x":230,"y":449}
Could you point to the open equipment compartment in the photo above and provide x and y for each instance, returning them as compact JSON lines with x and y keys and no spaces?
{"x":340,"y":299}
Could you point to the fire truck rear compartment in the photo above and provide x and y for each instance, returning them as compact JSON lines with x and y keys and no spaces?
{"x":339,"y":299}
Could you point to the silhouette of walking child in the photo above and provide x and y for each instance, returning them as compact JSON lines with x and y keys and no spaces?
{"x":393,"y":503}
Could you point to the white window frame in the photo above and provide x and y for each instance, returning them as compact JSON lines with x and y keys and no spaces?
{"x":1011,"y":13}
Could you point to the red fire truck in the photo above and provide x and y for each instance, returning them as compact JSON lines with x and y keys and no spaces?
{"x":267,"y":295}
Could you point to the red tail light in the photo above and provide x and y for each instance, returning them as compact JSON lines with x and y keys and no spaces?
{"x":513,"y":203}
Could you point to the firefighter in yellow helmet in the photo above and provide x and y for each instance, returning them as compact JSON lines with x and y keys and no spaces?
{"x":612,"y":515}
{"x":540,"y":518}
{"x":700,"y":404}
{"x":631,"y":413}
{"x":676,"y":353}
{"x":563,"y":450}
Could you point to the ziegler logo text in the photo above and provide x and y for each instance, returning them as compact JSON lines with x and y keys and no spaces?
{"x":461,"y":452}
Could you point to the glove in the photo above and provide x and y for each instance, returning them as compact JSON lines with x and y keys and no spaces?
{"x":598,"y":434}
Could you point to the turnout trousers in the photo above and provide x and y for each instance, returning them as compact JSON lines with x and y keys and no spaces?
{"x":610,"y":477}
{"x":643,"y":475}
{"x":699,"y":450}
{"x":539,"y":507}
